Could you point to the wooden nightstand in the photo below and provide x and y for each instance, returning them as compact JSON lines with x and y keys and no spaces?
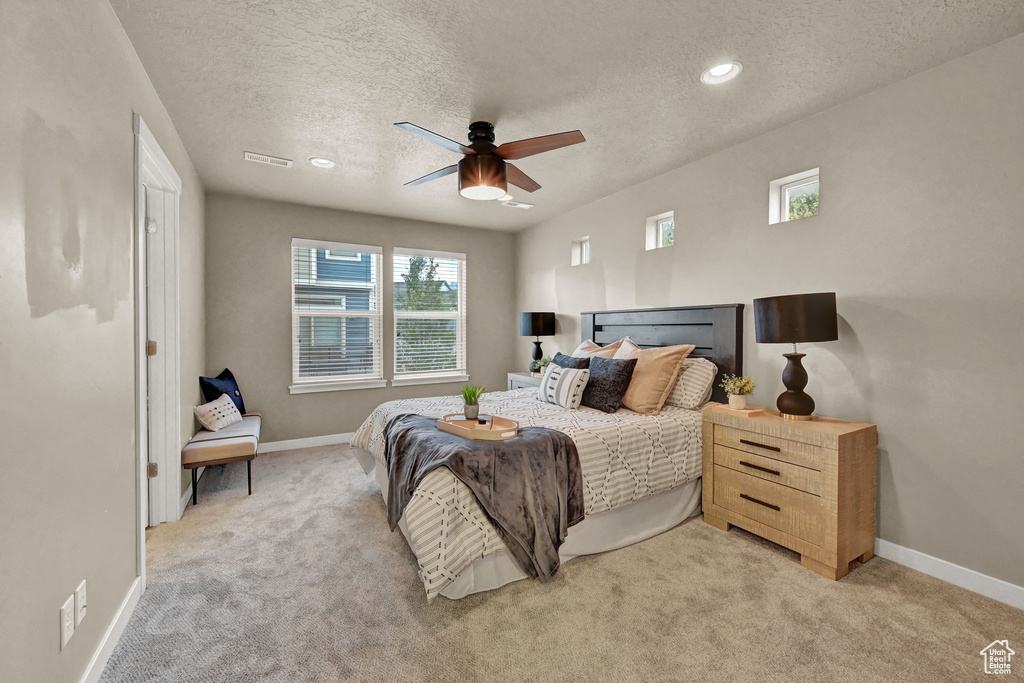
{"x":518,"y":380}
{"x":806,"y":485}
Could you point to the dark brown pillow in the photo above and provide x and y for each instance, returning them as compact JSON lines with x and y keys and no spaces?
{"x":609,"y":380}
{"x":572,"y":362}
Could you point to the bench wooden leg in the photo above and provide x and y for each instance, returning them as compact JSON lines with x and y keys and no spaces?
{"x":195,"y":487}
{"x":248,"y":474}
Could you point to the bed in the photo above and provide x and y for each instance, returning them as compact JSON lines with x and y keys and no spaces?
{"x":641,"y":473}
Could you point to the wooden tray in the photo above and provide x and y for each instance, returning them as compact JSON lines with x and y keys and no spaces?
{"x":496,"y":429}
{"x":749,"y":411}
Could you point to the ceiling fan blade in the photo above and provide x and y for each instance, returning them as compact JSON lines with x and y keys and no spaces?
{"x":526,"y":148}
{"x":447,"y":170}
{"x":520,"y":179}
{"x":435,"y":138}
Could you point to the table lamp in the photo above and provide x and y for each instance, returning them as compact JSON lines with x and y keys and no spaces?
{"x":537,"y":325}
{"x":791,"y":320}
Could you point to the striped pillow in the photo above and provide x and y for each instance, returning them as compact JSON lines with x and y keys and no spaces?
{"x":563,"y":386}
{"x":693,"y":388}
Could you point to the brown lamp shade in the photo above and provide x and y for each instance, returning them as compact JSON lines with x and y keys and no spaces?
{"x":796,"y":318}
{"x":537,"y":324}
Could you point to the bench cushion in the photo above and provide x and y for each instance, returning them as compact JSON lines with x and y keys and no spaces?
{"x":234,"y":441}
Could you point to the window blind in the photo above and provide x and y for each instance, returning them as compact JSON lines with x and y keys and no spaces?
{"x":336,"y":315}
{"x":430,"y":313}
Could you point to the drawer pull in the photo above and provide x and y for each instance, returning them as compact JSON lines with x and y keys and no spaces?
{"x":761,"y":445}
{"x":758,"y":467}
{"x":760,"y":502}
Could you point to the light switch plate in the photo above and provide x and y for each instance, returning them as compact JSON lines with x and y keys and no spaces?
{"x":80,"y":603}
{"x":67,"y":621}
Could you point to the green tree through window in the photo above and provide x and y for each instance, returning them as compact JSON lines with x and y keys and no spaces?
{"x":425,"y":344}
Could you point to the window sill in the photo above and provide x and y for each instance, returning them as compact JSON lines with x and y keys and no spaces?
{"x":429,"y":379}
{"x":315,"y":387}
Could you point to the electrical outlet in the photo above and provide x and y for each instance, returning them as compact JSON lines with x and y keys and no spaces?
{"x":80,"y":603}
{"x":67,"y":621}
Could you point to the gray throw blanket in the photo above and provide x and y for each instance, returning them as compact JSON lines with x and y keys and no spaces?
{"x":530,"y":486}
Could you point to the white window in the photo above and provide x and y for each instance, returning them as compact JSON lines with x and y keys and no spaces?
{"x":336,"y":317}
{"x":580,"y":251}
{"x":430,"y":317}
{"x":793,"y":197}
{"x":661,"y":231}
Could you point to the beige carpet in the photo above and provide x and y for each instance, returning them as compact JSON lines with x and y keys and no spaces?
{"x":304,"y":582}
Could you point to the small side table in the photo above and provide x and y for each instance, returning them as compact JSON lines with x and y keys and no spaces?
{"x":518,"y":380}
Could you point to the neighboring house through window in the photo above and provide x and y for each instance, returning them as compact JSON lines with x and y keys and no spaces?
{"x":430,"y":316}
{"x":336,"y":316}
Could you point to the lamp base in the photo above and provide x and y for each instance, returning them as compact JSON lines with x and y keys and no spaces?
{"x":537,"y":354}
{"x":793,"y":403}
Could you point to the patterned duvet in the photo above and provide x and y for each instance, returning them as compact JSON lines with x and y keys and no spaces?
{"x":624,"y":456}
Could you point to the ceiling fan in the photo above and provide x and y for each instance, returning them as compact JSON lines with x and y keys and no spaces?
{"x":484,"y":172}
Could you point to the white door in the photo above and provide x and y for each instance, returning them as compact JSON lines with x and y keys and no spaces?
{"x":161,"y":365}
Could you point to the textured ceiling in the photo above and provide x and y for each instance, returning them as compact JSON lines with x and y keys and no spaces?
{"x":304,"y":78}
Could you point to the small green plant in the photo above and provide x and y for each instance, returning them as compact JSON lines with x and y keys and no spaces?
{"x":738,"y":385}
{"x":471,"y":394}
{"x":538,"y":365}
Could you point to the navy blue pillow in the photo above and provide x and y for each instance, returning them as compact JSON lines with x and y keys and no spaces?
{"x":224,"y":383}
{"x":573,"y":362}
{"x":609,"y":379}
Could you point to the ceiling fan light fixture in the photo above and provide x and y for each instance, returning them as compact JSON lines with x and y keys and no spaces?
{"x":482,"y":177}
{"x":720,"y":73}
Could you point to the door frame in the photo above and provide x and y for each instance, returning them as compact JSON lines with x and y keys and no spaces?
{"x":154,"y":169}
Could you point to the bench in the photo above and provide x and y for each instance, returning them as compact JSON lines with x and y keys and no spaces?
{"x":233,"y":443}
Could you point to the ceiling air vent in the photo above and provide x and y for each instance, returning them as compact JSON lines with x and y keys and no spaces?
{"x":265,"y":159}
{"x":517,"y":205}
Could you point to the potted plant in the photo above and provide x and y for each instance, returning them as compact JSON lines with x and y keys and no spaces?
{"x":471,"y":397}
{"x":738,"y":387}
{"x":538,"y":366}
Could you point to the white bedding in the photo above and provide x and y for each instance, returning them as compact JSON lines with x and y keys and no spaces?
{"x":625,"y":457}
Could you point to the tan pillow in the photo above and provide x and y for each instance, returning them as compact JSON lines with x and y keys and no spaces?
{"x":588,"y":349}
{"x":656,"y":373}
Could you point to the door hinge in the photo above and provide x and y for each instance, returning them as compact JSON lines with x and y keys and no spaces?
{"x":150,"y":348}
{"x":151,"y":469}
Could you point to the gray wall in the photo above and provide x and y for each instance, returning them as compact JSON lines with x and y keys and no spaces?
{"x":70,"y":82}
{"x":248,"y":325}
{"x":921,"y":233}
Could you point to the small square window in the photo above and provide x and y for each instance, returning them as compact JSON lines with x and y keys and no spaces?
{"x":661,"y":231}
{"x":793,"y":197}
{"x":580,"y":251}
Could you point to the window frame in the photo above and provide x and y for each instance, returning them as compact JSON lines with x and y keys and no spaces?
{"x":579,"y":253}
{"x":458,"y":374}
{"x":652,"y":232}
{"x":661,"y":232}
{"x":778,"y":195}
{"x":374,"y":379}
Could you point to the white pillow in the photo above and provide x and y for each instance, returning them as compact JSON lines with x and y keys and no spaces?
{"x":693,"y":388}
{"x":563,"y":386}
{"x":218,"y":414}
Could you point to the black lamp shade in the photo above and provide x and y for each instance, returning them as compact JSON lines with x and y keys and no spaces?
{"x":537,"y":325}
{"x":796,"y":318}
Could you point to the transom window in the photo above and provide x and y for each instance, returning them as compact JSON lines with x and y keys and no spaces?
{"x":430,"y":316}
{"x":580,"y":251}
{"x":336,"y":316}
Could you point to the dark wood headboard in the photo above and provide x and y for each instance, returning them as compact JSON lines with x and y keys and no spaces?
{"x":716,"y":331}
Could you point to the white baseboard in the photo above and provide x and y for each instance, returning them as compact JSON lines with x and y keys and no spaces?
{"x":309,"y":442}
{"x":106,"y":647}
{"x":989,"y":586}
{"x":186,"y":498}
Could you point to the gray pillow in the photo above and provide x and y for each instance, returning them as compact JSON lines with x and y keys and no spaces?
{"x":609,"y":379}
{"x":573,"y":362}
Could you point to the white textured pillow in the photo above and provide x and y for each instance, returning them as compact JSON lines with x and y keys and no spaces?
{"x":218,"y":414}
{"x":693,"y":388}
{"x":563,"y":386}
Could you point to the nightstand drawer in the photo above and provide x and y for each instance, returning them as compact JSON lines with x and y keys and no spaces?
{"x":778,"y":471}
{"x":801,"y":514}
{"x":774,"y":447}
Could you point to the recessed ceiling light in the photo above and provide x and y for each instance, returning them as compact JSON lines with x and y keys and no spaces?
{"x":506,"y":198}
{"x":720,"y":73}
{"x":320,"y":162}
